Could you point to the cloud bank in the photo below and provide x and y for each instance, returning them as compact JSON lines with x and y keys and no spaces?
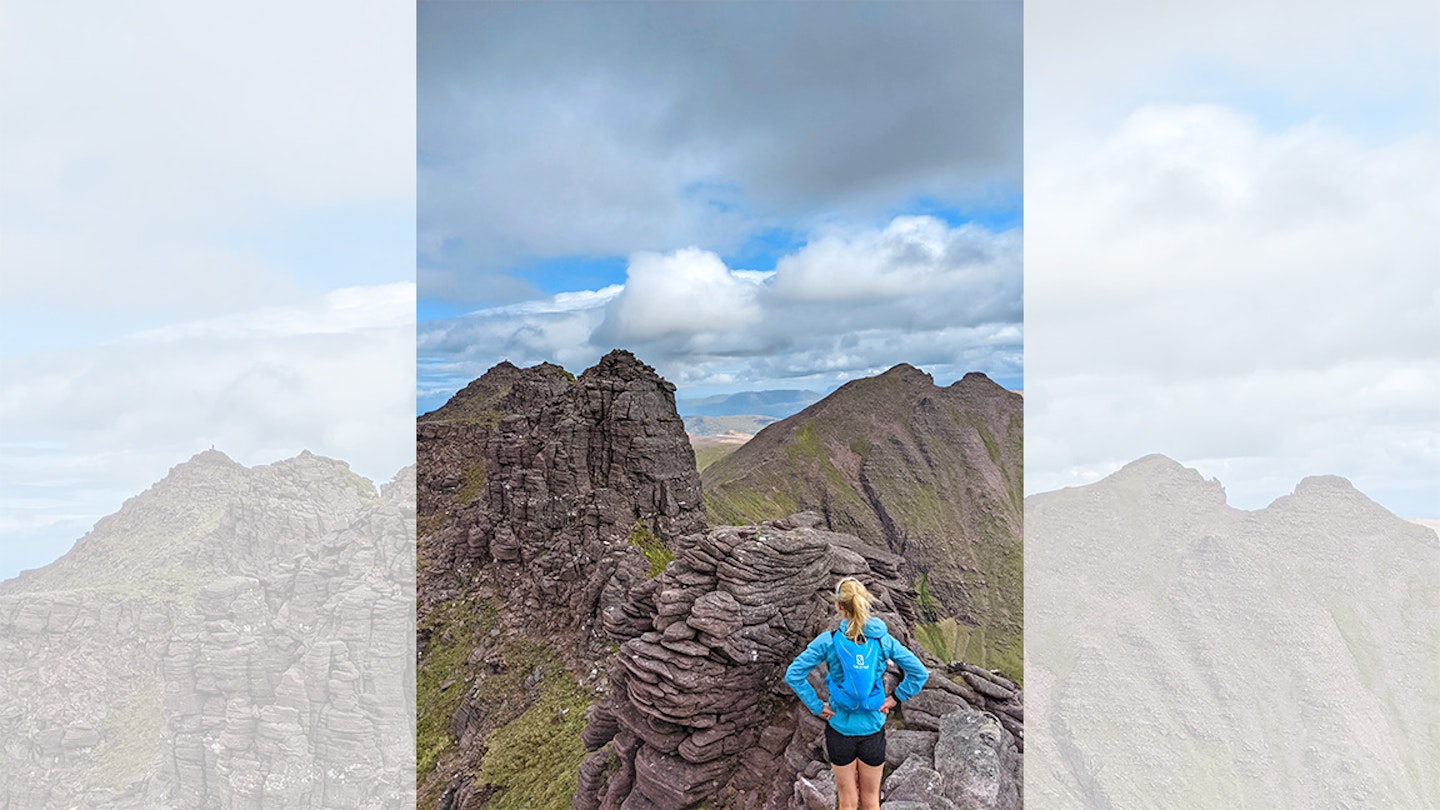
{"x":850,"y":303}
{"x":1238,"y":272}
{"x":86,"y":428}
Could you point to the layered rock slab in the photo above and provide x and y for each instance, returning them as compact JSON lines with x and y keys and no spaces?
{"x":698,"y":710}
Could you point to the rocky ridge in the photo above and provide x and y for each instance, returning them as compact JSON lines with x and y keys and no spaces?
{"x":697,"y":710}
{"x":232,"y":637}
{"x":548,"y":488}
{"x":544,"y":500}
{"x":559,"y":518}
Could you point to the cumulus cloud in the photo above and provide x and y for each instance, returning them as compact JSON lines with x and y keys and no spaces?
{"x":88,"y":427}
{"x":918,"y":291}
{"x":1259,"y":302}
{"x":686,"y":292}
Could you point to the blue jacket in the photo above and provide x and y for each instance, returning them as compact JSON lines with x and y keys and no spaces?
{"x":861,"y":722}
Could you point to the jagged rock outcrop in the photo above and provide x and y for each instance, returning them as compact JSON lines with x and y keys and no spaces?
{"x":232,"y":637}
{"x":553,"y":500}
{"x":548,"y":488}
{"x":1283,"y":657}
{"x":934,"y":474}
{"x":697,"y":710}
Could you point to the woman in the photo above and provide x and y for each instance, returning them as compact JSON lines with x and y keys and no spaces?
{"x":855,"y":734}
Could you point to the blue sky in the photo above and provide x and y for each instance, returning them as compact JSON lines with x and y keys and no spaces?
{"x":621,"y":157}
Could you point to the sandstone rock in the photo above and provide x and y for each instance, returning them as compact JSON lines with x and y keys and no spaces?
{"x":902,"y":744}
{"x":704,"y":700}
{"x":916,"y":781}
{"x":978,"y":761}
{"x":816,"y":793}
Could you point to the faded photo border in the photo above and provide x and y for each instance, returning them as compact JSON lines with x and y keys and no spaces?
{"x":206,"y":436}
{"x":1233,"y":394}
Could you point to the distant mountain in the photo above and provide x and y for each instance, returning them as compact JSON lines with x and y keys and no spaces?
{"x":776,"y":404}
{"x":747,"y":425}
{"x":1187,"y":652}
{"x":934,"y":474}
{"x":232,"y":636}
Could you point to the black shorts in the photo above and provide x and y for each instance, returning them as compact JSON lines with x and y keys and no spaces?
{"x":842,"y":750}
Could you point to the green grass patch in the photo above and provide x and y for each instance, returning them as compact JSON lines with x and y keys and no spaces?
{"x":740,"y":508}
{"x":946,"y":639}
{"x":925,"y":600}
{"x":441,"y":681}
{"x":805,"y":445}
{"x":705,"y":456}
{"x":949,"y":640}
{"x":426,"y":525}
{"x":860,"y":446}
{"x":652,"y":547}
{"x":535,"y":757}
{"x":473,"y":485}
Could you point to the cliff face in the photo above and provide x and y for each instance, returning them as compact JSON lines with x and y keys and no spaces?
{"x":545,"y":488}
{"x":232,"y":637}
{"x":544,"y":500}
{"x":1284,"y":657}
{"x":933,"y":474}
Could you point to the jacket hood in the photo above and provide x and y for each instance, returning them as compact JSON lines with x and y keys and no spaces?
{"x":874,"y":627}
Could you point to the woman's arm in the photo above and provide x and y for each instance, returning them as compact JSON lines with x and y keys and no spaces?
{"x":798,"y":672}
{"x":915,"y":672}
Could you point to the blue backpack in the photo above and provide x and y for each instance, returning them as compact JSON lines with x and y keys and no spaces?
{"x":860,"y":684}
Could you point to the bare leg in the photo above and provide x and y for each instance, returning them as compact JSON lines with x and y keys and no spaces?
{"x":869,"y":778}
{"x":846,"y":788}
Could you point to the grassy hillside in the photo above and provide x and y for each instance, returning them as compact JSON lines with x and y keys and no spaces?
{"x":933,"y":473}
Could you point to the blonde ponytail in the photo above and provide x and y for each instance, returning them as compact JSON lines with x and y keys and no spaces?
{"x":854,"y":600}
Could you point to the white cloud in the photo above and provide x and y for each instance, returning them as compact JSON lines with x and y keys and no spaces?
{"x":601,"y":130}
{"x":913,"y":255}
{"x":1208,"y":288}
{"x":950,"y":304}
{"x":685,"y":292}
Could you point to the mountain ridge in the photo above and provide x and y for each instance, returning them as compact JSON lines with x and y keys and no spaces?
{"x":934,"y":474}
{"x":1283,"y":656}
{"x":227,"y":628}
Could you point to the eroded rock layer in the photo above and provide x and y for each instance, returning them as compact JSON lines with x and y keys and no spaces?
{"x":547,"y":503}
{"x":698,"y":711}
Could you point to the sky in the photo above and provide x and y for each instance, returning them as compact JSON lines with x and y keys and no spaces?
{"x":206,"y":238}
{"x":748,"y":196}
{"x":1231,"y":251}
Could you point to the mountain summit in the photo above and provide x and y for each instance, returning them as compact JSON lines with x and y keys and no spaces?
{"x":230,"y":637}
{"x":1179,"y":647}
{"x":934,"y":474}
